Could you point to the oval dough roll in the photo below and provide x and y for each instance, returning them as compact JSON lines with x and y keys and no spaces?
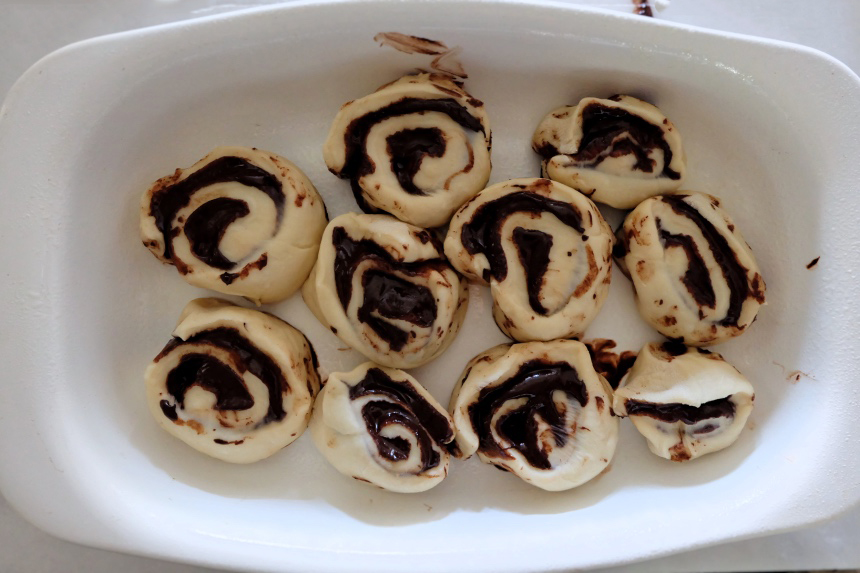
{"x":538,"y":410}
{"x":234,"y":383}
{"x":379,"y":425}
{"x":686,"y":402}
{"x":240,"y":221}
{"x":618,"y":151}
{"x":544,"y":249}
{"x":416,"y":148}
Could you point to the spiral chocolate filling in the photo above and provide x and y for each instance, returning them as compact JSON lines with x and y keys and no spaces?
{"x":385,"y":295}
{"x":407,"y":147}
{"x":614,"y":132}
{"x":206,"y":371}
{"x":697,"y":278}
{"x":483,"y":233}
{"x":674,"y":412}
{"x":208,"y":228}
{"x":536,"y":381}
{"x":533,"y":248}
{"x":408,"y":410}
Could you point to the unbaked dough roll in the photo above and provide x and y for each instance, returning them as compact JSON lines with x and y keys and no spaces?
{"x":234,"y":383}
{"x":686,"y":402}
{"x":385,"y":288}
{"x":544,"y":249}
{"x":695,"y":276}
{"x":379,"y":425}
{"x":240,"y":221}
{"x":618,"y":151}
{"x":417,"y":148}
{"x":537,"y":409}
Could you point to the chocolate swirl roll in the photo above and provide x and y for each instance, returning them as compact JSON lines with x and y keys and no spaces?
{"x":416,"y":148}
{"x":618,"y":151}
{"x":385,"y":288}
{"x":695,"y":276}
{"x":686,"y":402}
{"x":544,"y":249}
{"x":240,"y":221}
{"x":234,"y":383}
{"x":379,"y":425}
{"x":538,"y":410}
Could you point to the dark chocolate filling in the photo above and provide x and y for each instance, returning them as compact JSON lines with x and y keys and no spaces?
{"x":211,"y":374}
{"x":611,"y":365}
{"x":614,"y":132}
{"x":228,"y":386}
{"x":533,"y":248}
{"x":482,"y":234}
{"x":675,"y":347}
{"x":206,"y":234}
{"x":697,"y":279}
{"x":385,"y":294}
{"x":674,"y":412}
{"x":408,"y":146}
{"x":536,"y":381}
{"x":403,"y":407}
{"x":643,"y":8}
{"x":206,"y":226}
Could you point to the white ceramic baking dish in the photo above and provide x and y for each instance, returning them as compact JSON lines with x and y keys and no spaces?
{"x":769,"y":127}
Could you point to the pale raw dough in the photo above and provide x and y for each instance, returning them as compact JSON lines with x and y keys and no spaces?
{"x":696,"y":278}
{"x":670,"y":373}
{"x":413,"y":260}
{"x":446,"y":176}
{"x":233,"y":435}
{"x":265,"y":259}
{"x":343,"y":435}
{"x":590,"y":431}
{"x":575,"y":154}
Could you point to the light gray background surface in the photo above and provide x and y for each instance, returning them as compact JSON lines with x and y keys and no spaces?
{"x":32,"y":29}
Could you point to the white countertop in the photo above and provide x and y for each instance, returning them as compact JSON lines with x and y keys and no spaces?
{"x":30,"y":30}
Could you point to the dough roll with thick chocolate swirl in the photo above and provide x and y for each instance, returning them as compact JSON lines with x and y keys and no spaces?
{"x":234,"y":383}
{"x":618,"y":151}
{"x":416,"y":148}
{"x":686,"y":402}
{"x":379,"y":425}
{"x":695,"y":276}
{"x":385,"y":288}
{"x":544,"y":249}
{"x":240,"y":221}
{"x":538,"y":410}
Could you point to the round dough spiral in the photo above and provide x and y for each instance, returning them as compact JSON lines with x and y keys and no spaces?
{"x":545,"y":251}
{"x":385,"y":288}
{"x":234,"y":383}
{"x":240,"y":221}
{"x":618,"y":151}
{"x":416,"y":148}
{"x":379,"y":425}
{"x":537,"y":409}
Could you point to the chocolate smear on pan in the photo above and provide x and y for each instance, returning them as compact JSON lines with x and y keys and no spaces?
{"x":611,"y":365}
{"x":643,"y":8}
